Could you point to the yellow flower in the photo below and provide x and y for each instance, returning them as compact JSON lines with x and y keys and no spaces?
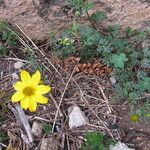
{"x":134,"y":118}
{"x":29,"y":92}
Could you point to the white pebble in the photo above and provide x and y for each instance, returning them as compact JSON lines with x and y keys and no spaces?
{"x":18,"y":65}
{"x":76,"y":117}
{"x":37,"y":128}
{"x":113,"y":80}
{"x":120,"y":146}
{"x":15,"y":76}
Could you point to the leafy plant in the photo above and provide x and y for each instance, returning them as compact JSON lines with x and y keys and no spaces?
{"x":80,"y":5}
{"x":119,"y":60}
{"x":33,"y":63}
{"x":98,"y":16}
{"x":8,"y":38}
{"x":121,"y":50}
{"x":96,"y":141}
{"x":3,"y":137}
{"x":47,"y":128}
{"x":3,"y":50}
{"x":145,"y":83}
{"x":7,"y":35}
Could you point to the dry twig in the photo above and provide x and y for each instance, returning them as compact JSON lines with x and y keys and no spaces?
{"x":105,"y":98}
{"x":22,"y":120}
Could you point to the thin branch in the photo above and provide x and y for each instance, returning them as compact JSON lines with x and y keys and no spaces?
{"x":62,"y":96}
{"x":105,"y":98}
{"x":21,"y":118}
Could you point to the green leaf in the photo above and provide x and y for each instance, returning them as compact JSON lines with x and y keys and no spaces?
{"x":129,"y":31}
{"x":119,"y":60}
{"x":145,"y":83}
{"x":146,"y":63}
{"x":47,"y":128}
{"x":96,"y":141}
{"x":3,"y":137}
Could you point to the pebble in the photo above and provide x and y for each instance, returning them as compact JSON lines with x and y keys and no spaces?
{"x":76,"y":117}
{"x":15,"y":76}
{"x":48,"y":144}
{"x":18,"y":65}
{"x":37,"y":128}
{"x":120,"y":146}
{"x":113,"y":80}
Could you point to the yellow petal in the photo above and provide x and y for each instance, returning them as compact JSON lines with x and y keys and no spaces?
{"x":25,"y":76}
{"x":43,"y":89}
{"x":18,"y":86}
{"x":25,"y":103}
{"x":17,"y":96}
{"x":41,"y":99}
{"x":32,"y":105}
{"x":36,"y":78}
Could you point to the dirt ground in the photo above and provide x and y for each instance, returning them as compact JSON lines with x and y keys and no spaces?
{"x":40,"y":17}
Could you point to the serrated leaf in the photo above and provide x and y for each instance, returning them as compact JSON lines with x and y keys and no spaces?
{"x":146,"y":63}
{"x":145,"y":83}
{"x":119,"y":60}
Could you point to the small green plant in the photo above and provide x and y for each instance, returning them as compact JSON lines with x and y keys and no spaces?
{"x":33,"y":63}
{"x":3,"y":50}
{"x":7,"y":38}
{"x":80,"y":6}
{"x":96,"y":141}
{"x":98,"y":16}
{"x":3,"y":137}
{"x":64,"y":46}
{"x":118,"y":60}
{"x":47,"y":128}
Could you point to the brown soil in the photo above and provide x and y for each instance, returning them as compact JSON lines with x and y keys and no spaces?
{"x":39,"y":18}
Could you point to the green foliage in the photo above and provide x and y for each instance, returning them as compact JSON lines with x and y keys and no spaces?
{"x":80,"y":5}
{"x":98,"y":16}
{"x":7,"y":35}
{"x":113,"y":31}
{"x":3,"y":50}
{"x":47,"y":128}
{"x":3,"y":137}
{"x":33,"y":63}
{"x":7,"y":38}
{"x":119,"y":60}
{"x":145,"y":83}
{"x":96,"y":141}
{"x":130,"y":32}
{"x":121,"y":50}
{"x":89,"y":36}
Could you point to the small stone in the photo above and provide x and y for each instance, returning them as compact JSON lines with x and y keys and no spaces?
{"x":15,"y":76}
{"x":49,"y":144}
{"x":120,"y":146}
{"x":76,"y":117}
{"x":37,"y":128}
{"x":113,"y":80}
{"x":18,"y":65}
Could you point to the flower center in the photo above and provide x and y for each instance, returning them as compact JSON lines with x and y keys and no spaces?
{"x":28,"y":91}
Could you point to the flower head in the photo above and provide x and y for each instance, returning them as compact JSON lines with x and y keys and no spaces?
{"x":29,"y":92}
{"x":134,"y":118}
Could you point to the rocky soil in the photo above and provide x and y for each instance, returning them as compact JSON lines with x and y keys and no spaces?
{"x":39,"y":17}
